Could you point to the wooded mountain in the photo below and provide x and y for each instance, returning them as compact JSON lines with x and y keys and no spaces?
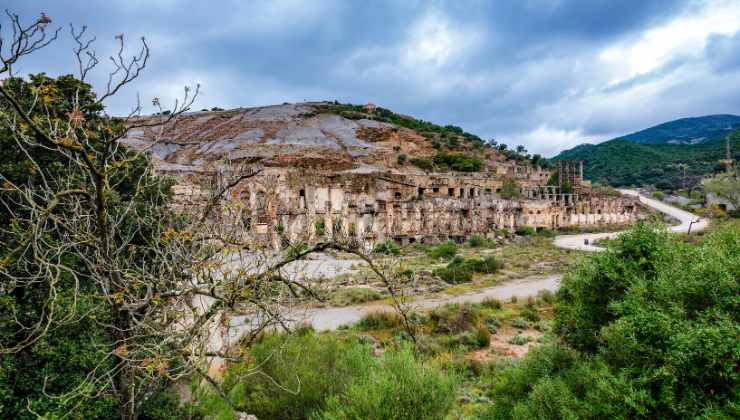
{"x":657,"y":155}
{"x":693,"y":130}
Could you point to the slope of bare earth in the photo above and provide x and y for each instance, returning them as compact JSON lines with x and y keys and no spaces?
{"x":295,"y":135}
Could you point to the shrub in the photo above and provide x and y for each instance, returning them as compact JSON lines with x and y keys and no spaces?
{"x":587,"y":292}
{"x":290,"y":376}
{"x":455,"y":274}
{"x":545,"y":233}
{"x":444,"y":250}
{"x":546,"y":296}
{"x":483,"y":337}
{"x":519,"y":323}
{"x":530,"y":313}
{"x":388,"y":247}
{"x":354,"y":295}
{"x":488,"y":265}
{"x":658,"y":195}
{"x":510,"y":190}
{"x":380,"y":320}
{"x":422,"y":163}
{"x":547,"y":384}
{"x":454,"y":318}
{"x":525,"y":231}
{"x":320,"y":228}
{"x":401,"y":159}
{"x":458,"y":161}
{"x":477,"y":241}
{"x":493,"y":324}
{"x":519,"y":340}
{"x":400,"y":387}
{"x":491,"y":303}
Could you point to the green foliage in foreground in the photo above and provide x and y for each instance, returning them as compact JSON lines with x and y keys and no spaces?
{"x":654,"y":330}
{"x":327,"y":377}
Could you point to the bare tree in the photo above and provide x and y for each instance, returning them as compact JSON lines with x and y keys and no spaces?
{"x":164,"y":281}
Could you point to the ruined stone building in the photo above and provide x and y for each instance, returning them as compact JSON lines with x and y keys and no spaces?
{"x":322,"y":174}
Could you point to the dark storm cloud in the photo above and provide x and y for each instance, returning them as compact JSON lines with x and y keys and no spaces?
{"x":530,"y":71}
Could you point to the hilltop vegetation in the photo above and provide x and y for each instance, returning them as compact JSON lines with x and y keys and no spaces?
{"x":686,"y":130}
{"x":458,"y":149}
{"x":622,"y":162}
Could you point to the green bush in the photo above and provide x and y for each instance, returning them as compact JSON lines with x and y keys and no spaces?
{"x":353,"y":295}
{"x":587,"y":292}
{"x":380,"y":320}
{"x":554,"y":382}
{"x":488,"y":265}
{"x":454,"y":318}
{"x":491,"y":303}
{"x":519,"y":340}
{"x":397,"y":387}
{"x":658,"y":195}
{"x":454,"y":275}
{"x":401,"y":159}
{"x":493,"y":324}
{"x":290,"y":376}
{"x":422,"y":163}
{"x":388,"y":247}
{"x":519,"y":323}
{"x":657,"y":324}
{"x":458,"y":161}
{"x":525,"y":231}
{"x":320,"y":228}
{"x":444,"y":250}
{"x":546,"y":296}
{"x":477,"y":241}
{"x":530,"y":313}
{"x":483,"y":337}
{"x":307,"y":375}
{"x":510,"y":190}
{"x":545,"y":233}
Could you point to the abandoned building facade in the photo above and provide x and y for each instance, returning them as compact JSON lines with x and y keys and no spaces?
{"x":283,"y":204}
{"x":326,"y":173}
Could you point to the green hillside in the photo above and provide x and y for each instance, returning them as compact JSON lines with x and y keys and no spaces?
{"x":694,"y":130}
{"x":621,"y":162}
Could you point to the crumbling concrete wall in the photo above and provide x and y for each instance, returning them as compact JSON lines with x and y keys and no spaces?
{"x":282,"y":204}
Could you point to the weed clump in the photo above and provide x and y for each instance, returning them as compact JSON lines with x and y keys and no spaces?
{"x":445,"y":250}
{"x":388,"y":248}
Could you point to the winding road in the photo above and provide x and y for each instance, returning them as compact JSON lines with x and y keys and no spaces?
{"x":687,"y":221}
{"x":334,"y":317}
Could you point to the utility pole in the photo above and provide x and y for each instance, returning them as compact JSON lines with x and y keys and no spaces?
{"x":728,"y":157}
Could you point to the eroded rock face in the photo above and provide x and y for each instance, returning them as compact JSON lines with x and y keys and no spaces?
{"x":324,"y":175}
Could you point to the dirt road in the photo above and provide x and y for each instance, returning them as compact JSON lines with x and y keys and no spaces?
{"x":333,"y":318}
{"x":578,"y":242}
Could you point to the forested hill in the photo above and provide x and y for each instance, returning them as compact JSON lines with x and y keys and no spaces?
{"x":694,"y":130}
{"x":621,"y":162}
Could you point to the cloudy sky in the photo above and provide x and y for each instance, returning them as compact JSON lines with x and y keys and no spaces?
{"x":548,"y":74}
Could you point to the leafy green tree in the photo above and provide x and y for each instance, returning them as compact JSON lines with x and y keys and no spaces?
{"x":510,"y":190}
{"x":726,"y":187}
{"x":652,"y":329}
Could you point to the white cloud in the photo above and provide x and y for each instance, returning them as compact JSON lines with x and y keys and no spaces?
{"x":685,"y":36}
{"x":435,"y":41}
{"x":547,"y":140}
